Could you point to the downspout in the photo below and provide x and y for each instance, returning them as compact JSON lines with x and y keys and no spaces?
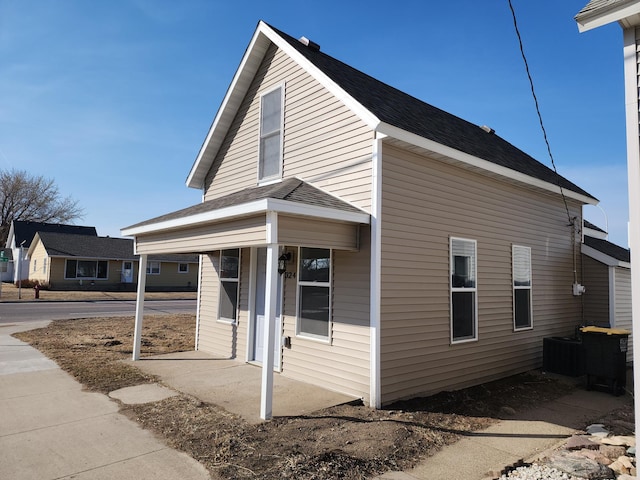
{"x":375,"y":280}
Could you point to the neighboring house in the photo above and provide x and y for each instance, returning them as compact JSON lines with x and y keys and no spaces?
{"x":396,"y":249}
{"x":607,"y":279}
{"x":66,"y":261}
{"x":6,"y":264}
{"x":19,"y":239}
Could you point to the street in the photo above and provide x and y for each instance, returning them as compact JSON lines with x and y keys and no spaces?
{"x":35,"y":311}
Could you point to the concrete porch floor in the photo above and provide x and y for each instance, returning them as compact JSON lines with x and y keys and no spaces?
{"x":236,"y":386}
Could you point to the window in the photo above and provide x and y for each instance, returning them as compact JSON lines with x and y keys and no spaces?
{"x":229,"y":280}
{"x":153,"y":268}
{"x":314,"y":293}
{"x":86,"y":269}
{"x":183,"y":268}
{"x":464,"y":317}
{"x":522,"y":307}
{"x":44,"y":265}
{"x":269,"y":165}
{"x":35,"y":265}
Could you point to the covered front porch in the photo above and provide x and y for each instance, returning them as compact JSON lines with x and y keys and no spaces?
{"x":273,"y":219}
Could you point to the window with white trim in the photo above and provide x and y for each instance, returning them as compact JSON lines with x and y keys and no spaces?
{"x":153,"y":268}
{"x":464,"y":301}
{"x":522,"y":306}
{"x":44,"y":265}
{"x":314,"y":293}
{"x":183,"y":268}
{"x":271,"y":119}
{"x":229,"y":283}
{"x":35,"y":264}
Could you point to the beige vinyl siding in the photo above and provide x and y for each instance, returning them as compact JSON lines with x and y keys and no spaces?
{"x":324,"y":142}
{"x":38,"y":257}
{"x":424,"y":203}
{"x":214,"y":336}
{"x":596,"y":296}
{"x":230,"y":234}
{"x":317,"y":233}
{"x":343,"y":364}
{"x":623,"y":319}
{"x":171,"y":277}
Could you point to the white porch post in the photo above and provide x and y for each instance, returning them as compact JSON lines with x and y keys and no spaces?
{"x":142,"y":280}
{"x":271,"y":289}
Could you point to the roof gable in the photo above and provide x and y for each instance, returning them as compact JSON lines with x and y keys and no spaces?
{"x":382,"y":107}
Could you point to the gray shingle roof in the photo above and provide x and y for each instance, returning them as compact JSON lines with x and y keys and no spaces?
{"x":25,"y":231}
{"x":595,"y":5}
{"x":590,"y":225}
{"x":408,"y":113}
{"x":290,"y":189}
{"x":107,"y":248}
{"x":608,"y":248}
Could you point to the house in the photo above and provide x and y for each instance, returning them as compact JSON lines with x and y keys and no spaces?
{"x":357,"y":238}
{"x":607,"y":279}
{"x":627,"y":14}
{"x":19,"y":239}
{"x":67,"y":261}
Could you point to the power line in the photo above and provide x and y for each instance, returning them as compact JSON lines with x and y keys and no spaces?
{"x":535,"y":100}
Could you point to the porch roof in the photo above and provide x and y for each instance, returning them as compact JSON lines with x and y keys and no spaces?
{"x":291,"y":197}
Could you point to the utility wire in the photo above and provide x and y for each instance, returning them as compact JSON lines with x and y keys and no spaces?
{"x":535,"y":99}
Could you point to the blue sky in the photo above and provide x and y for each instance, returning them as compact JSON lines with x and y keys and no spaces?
{"x":113,"y":99}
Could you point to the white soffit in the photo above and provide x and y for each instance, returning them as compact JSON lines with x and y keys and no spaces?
{"x":627,"y":13}
{"x":247,"y":209}
{"x":417,"y":140}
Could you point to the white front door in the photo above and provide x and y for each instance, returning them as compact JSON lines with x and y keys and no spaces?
{"x":127,"y":272}
{"x":258,"y":317}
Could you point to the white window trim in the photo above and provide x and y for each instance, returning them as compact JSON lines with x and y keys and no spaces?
{"x":150,"y":263}
{"x":44,"y":265}
{"x":277,"y":177}
{"x":309,"y":336}
{"x":529,"y":287}
{"x":35,"y":264}
{"x":219,"y":319}
{"x":185,"y":271}
{"x":463,"y":289}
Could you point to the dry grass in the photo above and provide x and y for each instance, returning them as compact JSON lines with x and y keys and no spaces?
{"x":348,"y":442}
{"x":10,"y":294}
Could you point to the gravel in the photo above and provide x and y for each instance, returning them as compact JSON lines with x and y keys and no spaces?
{"x":537,"y":472}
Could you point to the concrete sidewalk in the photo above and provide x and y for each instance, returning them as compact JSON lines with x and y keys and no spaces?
{"x":483,"y":454}
{"x":51,"y":429}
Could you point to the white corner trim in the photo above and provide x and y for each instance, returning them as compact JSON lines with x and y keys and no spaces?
{"x":375,"y":392}
{"x":419,"y":141}
{"x":603,"y":257}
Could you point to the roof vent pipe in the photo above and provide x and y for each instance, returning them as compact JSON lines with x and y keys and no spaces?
{"x":310,"y":44}
{"x":488,"y":129}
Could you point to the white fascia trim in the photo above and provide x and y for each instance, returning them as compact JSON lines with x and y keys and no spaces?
{"x":600,"y":17}
{"x":419,"y":141}
{"x":232,"y":93}
{"x":603,"y":257}
{"x":251,"y":208}
{"x":356,"y":107}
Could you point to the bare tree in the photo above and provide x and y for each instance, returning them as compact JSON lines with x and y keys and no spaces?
{"x":32,"y":198}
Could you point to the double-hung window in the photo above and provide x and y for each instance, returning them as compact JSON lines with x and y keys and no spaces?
{"x":464,"y":302}
{"x":271,"y":119}
{"x":229,"y":282}
{"x":153,"y":268}
{"x":314,"y":293}
{"x":522,"y":307}
{"x":183,"y":268}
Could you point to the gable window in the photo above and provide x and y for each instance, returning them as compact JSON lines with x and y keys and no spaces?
{"x":522,"y":307}
{"x":314,"y":293}
{"x":183,"y":268}
{"x":86,"y":269}
{"x":229,"y":282}
{"x":464,"y":302}
{"x":270,"y":160}
{"x":153,"y":268}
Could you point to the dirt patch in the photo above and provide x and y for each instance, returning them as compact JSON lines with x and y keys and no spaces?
{"x":347,"y":442}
